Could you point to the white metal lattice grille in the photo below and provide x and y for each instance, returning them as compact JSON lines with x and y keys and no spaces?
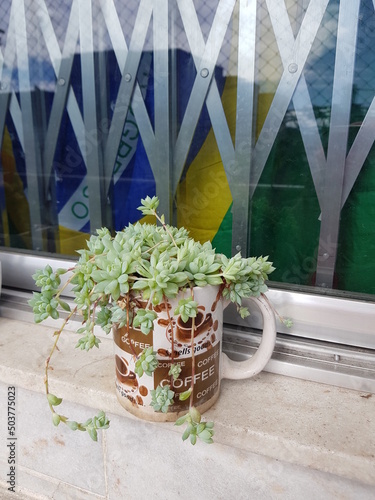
{"x":38,"y":31}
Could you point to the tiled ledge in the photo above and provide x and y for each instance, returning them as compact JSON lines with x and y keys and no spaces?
{"x":294,"y":429}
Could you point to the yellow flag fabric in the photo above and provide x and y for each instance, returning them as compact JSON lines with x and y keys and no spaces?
{"x":17,"y":208}
{"x":203,"y":196}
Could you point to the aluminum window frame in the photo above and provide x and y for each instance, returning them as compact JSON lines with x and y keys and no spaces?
{"x":338,"y":320}
{"x":331,"y":341}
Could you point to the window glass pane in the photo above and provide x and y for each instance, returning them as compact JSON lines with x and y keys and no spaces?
{"x":252,"y":121}
{"x":316,"y":193}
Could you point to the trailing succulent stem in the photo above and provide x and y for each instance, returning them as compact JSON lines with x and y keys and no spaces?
{"x":118,"y":281}
{"x":195,"y":427}
{"x":146,"y":363}
{"x":91,"y":425}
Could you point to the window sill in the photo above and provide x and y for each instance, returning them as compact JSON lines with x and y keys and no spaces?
{"x":322,"y":428}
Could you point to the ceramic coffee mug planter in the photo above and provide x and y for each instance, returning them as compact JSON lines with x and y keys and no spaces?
{"x":172,"y":335}
{"x":162,"y":295}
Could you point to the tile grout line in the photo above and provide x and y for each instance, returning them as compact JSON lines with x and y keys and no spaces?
{"x":105,"y":449}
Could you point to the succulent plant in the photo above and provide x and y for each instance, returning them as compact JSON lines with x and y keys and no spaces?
{"x":152,"y":262}
{"x":174,"y":371}
{"x":187,"y":308}
{"x":195,"y":427}
{"x":162,"y":397}
{"x":144,"y":320}
{"x":146,"y":363}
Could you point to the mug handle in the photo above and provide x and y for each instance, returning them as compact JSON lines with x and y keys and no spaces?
{"x":237,"y":370}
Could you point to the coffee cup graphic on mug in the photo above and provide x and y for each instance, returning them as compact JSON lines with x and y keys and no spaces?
{"x":172,"y":335}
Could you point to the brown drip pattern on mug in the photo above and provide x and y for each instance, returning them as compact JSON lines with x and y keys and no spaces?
{"x":218,"y":297}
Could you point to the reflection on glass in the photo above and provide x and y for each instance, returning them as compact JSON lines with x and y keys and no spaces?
{"x":252,"y":121}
